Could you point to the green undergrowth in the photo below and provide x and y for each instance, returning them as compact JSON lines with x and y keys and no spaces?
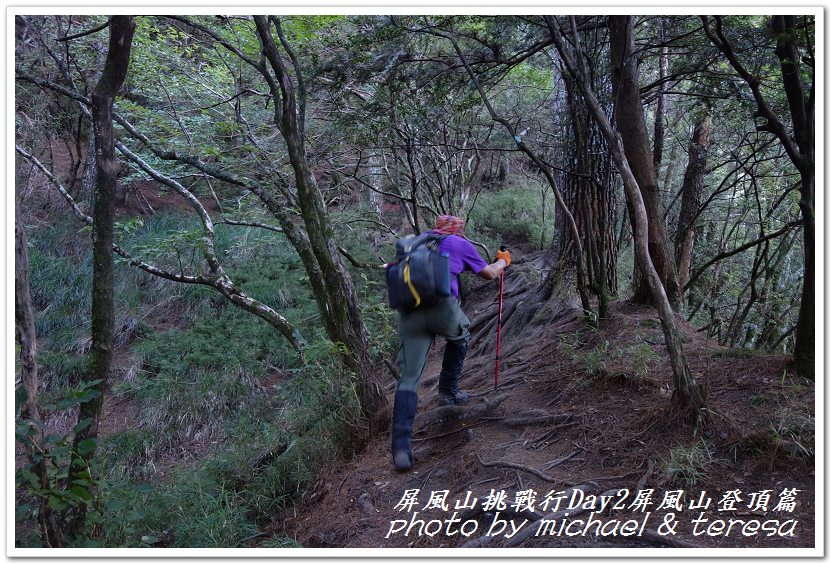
{"x":516,"y":210}
{"x":690,"y":464}
{"x":227,"y":422}
{"x":603,"y":360}
{"x":253,"y":447}
{"x":788,"y":423}
{"x":60,"y":266}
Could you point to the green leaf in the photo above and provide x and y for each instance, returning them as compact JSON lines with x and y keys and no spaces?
{"x":25,"y":430}
{"x":53,"y":439}
{"x":87,"y":446}
{"x":32,"y":479}
{"x":144,"y":488}
{"x":116,"y":505}
{"x":149,"y":539}
{"x":81,"y":492}
{"x":56,"y":502}
{"x":78,"y":462}
{"x":89,"y":394}
{"x":81,"y":425}
{"x":58,"y":452}
{"x":95,"y":518}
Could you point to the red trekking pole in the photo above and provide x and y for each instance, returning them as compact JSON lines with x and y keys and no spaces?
{"x":498,"y":338}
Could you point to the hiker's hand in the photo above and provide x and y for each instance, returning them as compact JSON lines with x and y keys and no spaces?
{"x":503,"y":255}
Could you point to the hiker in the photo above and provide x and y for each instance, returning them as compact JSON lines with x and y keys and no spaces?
{"x":417,"y":330}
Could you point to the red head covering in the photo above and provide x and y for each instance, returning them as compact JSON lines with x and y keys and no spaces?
{"x":450,"y":225}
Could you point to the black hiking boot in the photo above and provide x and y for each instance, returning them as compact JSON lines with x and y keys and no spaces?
{"x":406,"y":403}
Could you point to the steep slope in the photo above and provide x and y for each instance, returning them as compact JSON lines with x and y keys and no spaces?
{"x":578,"y":412}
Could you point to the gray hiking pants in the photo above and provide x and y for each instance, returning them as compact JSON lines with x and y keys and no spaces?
{"x":418,"y":329}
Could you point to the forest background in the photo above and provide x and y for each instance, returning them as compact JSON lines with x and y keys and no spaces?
{"x":204,"y":205}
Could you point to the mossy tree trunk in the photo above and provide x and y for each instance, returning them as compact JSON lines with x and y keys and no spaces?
{"x":691,"y":193}
{"x":103,"y":312}
{"x":27,"y":340}
{"x":24,"y":318}
{"x":335,"y":292}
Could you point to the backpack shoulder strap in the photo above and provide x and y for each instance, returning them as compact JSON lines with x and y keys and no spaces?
{"x":433,"y":240}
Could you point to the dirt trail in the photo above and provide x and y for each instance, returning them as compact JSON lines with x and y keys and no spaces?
{"x":553,"y":430}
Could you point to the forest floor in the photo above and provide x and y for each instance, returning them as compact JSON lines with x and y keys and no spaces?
{"x":552,"y":430}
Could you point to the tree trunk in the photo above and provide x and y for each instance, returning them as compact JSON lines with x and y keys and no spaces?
{"x":688,"y":394}
{"x":805,"y":334}
{"x":336,"y":295}
{"x":659,"y":135}
{"x":90,"y":173}
{"x":376,"y":180}
{"x":690,"y":204}
{"x":504,"y":168}
{"x":588,"y":194}
{"x":631,"y":124}
{"x":25,"y":318}
{"x":802,"y":111}
{"x":50,"y":530}
{"x":103,"y":313}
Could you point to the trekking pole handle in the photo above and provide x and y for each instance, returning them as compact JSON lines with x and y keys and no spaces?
{"x":503,"y":249}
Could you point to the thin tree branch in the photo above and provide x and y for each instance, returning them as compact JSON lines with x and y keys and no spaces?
{"x":782,"y":231}
{"x":103,"y":26}
{"x":251,"y":224}
{"x":357,"y":264}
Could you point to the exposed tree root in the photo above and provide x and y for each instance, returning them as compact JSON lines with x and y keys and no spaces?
{"x":484,"y":317}
{"x":393,"y":368}
{"x":457,"y":430}
{"x":543,"y":417}
{"x":512,"y":465}
{"x":429,"y":381}
{"x":457,"y":412}
{"x":542,"y":438}
{"x":492,"y":325}
{"x":559,"y":461}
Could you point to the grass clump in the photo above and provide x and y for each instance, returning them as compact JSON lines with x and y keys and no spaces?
{"x":604,"y":360}
{"x":689,"y":465}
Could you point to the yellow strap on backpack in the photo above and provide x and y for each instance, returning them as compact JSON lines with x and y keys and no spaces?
{"x":408,"y":282}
